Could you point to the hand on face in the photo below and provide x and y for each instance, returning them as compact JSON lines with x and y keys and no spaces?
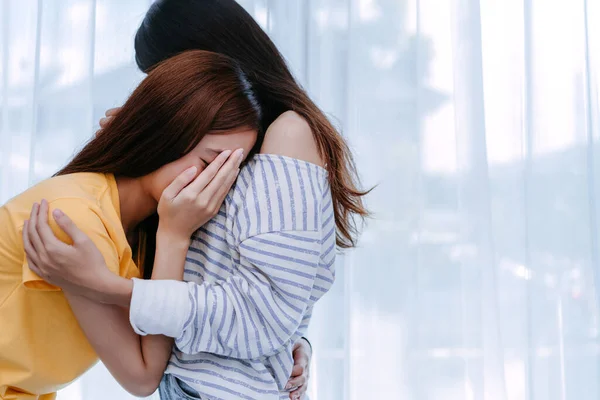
{"x":190,"y":201}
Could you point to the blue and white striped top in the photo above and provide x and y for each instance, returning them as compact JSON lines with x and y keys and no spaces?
{"x":253,"y":274}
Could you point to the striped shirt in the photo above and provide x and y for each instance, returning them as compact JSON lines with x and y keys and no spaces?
{"x":253,"y":274}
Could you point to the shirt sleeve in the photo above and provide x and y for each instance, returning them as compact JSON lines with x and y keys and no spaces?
{"x":303,"y":327}
{"x":254,"y":313}
{"x":88,"y":221}
{"x":304,"y":324}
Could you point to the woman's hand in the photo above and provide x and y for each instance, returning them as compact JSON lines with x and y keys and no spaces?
{"x":298,"y":382}
{"x":78,"y":268}
{"x":188,"y":203}
{"x":109,"y":115}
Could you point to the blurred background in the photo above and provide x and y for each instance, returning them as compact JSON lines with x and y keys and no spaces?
{"x":477,"y":120}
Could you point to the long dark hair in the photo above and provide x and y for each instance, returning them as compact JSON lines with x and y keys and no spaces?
{"x":223,"y":26}
{"x":166,"y":116}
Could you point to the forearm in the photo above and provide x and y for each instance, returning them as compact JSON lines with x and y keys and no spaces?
{"x":136,"y":363}
{"x":169,"y":263}
{"x":169,"y":260}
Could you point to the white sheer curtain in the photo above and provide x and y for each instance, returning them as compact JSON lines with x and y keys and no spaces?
{"x":478,"y":122}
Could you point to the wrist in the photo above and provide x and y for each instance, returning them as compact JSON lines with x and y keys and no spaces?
{"x":172,"y":239}
{"x":171,"y":250}
{"x":115,"y":290}
{"x":307,"y":345}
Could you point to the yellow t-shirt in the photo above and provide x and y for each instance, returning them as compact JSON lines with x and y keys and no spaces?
{"x":42,"y":347}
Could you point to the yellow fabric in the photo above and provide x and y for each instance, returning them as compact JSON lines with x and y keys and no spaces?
{"x":42,"y":348}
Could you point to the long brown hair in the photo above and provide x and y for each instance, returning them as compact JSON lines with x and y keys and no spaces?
{"x":223,"y":26}
{"x":165,"y":117}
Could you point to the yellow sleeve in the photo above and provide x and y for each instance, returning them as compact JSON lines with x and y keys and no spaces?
{"x":88,"y":221}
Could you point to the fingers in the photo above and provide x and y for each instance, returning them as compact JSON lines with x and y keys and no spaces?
{"x":32,"y":257}
{"x":297,"y":384}
{"x":220,"y":185}
{"x":66,"y":224}
{"x":225,"y":184}
{"x":104,"y":122}
{"x":179,"y":183}
{"x":32,"y":266}
{"x":297,"y":381}
{"x":216,"y":199}
{"x":209,"y":173}
{"x":32,"y":243}
{"x":109,"y":115}
{"x":49,"y":240}
{"x":111,"y":112}
{"x":34,"y":238}
{"x":298,"y":393}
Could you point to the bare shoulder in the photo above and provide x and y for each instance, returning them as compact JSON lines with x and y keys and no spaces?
{"x":290,"y":135}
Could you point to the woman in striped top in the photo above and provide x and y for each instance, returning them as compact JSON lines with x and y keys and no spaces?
{"x":253,"y":274}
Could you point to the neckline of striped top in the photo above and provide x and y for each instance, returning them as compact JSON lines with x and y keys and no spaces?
{"x":266,"y":156}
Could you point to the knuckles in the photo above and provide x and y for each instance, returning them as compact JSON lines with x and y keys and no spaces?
{"x":188,"y":198}
{"x":52,"y":250}
{"x":203,"y":204}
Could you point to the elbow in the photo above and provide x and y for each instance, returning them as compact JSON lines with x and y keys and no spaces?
{"x":141,"y":389}
{"x":143,"y":386}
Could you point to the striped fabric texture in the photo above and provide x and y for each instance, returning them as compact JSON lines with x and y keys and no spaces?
{"x":253,"y":274}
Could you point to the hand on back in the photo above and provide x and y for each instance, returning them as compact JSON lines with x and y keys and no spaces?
{"x":109,"y":115}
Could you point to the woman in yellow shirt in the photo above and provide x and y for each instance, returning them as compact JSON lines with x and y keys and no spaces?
{"x":191,"y":110}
